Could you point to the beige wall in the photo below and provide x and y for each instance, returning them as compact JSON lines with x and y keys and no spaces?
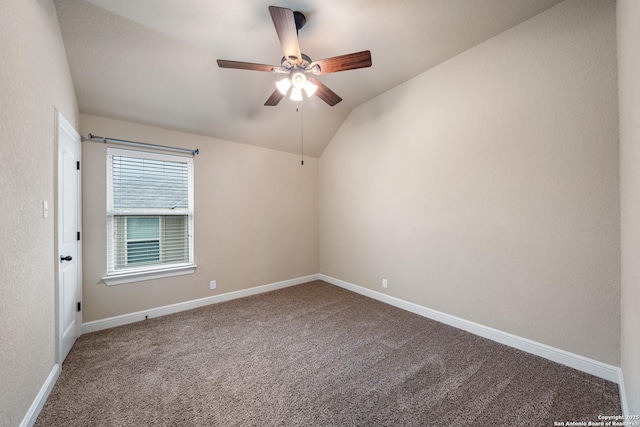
{"x":628,"y":14}
{"x":487,"y":187}
{"x":34,"y":80}
{"x":256,"y":220}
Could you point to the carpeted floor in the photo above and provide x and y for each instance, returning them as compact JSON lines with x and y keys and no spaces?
{"x":312,"y":354}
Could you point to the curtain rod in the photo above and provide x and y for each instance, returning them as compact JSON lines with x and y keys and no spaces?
{"x":95,"y":138}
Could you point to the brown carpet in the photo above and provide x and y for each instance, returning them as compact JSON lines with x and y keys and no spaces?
{"x":312,"y":354}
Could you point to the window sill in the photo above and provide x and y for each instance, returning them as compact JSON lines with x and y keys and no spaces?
{"x":139,"y":276}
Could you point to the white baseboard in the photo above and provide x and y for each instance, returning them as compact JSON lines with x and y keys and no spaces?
{"x":124,"y":319}
{"x":584,"y":364}
{"x":35,"y":408}
{"x":623,"y":395}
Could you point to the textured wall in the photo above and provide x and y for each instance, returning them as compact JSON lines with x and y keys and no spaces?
{"x":256,"y":220}
{"x":34,"y":79}
{"x":487,"y":187}
{"x":628,"y":15}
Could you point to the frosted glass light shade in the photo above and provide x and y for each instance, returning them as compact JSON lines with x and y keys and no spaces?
{"x":296,"y":94}
{"x":299,"y":80}
{"x":283,"y":85}
{"x":310,"y":88}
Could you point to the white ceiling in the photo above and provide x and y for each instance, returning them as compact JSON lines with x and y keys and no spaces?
{"x":154,"y":61}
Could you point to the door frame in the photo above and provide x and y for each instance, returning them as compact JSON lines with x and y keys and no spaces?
{"x":63,"y":125}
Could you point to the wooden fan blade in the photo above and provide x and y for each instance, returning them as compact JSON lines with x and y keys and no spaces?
{"x":350,"y":61}
{"x":274,"y":99}
{"x":223,"y":63}
{"x":324,"y":93}
{"x":285,"y":25}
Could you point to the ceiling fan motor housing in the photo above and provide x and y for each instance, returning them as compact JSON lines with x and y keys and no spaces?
{"x":306,"y":60}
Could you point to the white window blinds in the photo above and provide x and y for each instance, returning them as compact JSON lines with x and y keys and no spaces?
{"x":149,"y":211}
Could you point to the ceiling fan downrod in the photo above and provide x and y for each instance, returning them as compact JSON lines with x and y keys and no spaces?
{"x":300,"y":20}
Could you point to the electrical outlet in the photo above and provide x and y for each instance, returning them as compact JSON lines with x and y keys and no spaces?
{"x":212,"y":284}
{"x":384,"y":283}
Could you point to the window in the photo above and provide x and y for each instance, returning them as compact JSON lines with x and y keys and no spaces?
{"x":149,"y":215}
{"x":143,"y":240}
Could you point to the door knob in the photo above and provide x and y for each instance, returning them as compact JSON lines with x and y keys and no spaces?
{"x":65,"y":258}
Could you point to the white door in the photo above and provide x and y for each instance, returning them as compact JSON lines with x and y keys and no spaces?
{"x":68,"y":210}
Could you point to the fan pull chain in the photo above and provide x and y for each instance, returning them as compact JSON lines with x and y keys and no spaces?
{"x":299,"y":110}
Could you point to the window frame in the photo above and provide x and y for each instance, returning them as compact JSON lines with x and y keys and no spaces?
{"x":117,"y":276}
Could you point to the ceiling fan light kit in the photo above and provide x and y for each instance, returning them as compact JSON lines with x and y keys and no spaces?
{"x":297,"y":65}
{"x":298,"y":82}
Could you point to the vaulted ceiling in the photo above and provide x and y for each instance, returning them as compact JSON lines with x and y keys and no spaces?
{"x":154,"y":61}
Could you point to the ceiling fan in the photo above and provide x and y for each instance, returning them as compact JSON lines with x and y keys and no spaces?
{"x":297,"y":65}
